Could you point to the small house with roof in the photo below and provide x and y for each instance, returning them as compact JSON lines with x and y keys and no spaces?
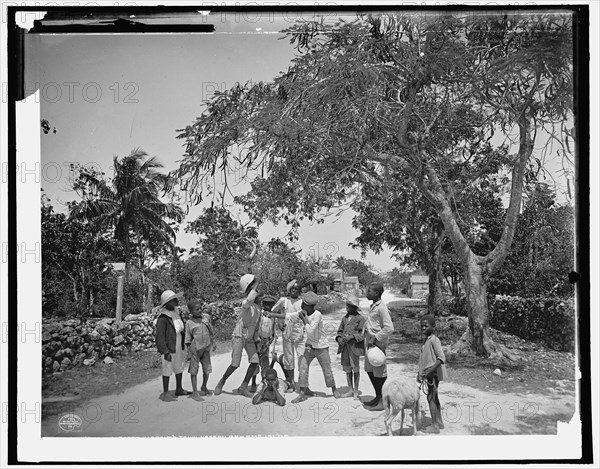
{"x":418,"y":286}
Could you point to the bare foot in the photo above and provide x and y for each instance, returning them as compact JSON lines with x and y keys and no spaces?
{"x":196,"y":396}
{"x":374,"y":408}
{"x":301,"y":398}
{"x":167,"y":397}
{"x":309,"y":393}
{"x":431,"y":429}
{"x":206,"y":391}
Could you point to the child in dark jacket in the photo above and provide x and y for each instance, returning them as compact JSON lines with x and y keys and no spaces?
{"x":350,"y":339}
{"x":170,"y":343}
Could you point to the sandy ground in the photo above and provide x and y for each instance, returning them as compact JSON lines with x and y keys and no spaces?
{"x":138,"y":411}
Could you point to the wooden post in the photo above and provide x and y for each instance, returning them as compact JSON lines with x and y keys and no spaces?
{"x":119,"y":298}
{"x":149,"y":298}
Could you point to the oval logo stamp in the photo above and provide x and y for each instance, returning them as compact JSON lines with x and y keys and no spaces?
{"x":70,"y":423}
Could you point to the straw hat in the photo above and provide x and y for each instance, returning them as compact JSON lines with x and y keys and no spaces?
{"x":167,"y":296}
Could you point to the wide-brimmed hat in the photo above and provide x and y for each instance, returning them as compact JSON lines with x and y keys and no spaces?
{"x":353,"y":300}
{"x":246,"y":281}
{"x":290,"y":285}
{"x":167,"y":296}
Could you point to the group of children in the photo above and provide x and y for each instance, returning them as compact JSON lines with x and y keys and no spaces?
{"x":304,"y":338}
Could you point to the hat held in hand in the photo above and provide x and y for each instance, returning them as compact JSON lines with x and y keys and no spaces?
{"x":376,"y":356}
{"x":247,"y":281}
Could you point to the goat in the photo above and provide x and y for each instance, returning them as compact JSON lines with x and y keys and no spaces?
{"x":400,"y":393}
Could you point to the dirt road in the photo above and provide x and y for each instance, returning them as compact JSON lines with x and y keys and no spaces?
{"x":467,"y":410}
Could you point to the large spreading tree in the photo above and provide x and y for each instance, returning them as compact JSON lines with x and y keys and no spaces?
{"x":436,"y":102}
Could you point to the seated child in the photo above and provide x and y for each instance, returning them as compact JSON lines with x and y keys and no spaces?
{"x":272,"y":388}
{"x":350,"y":338}
{"x":432,"y":369}
{"x":199,"y":340}
{"x":266,"y":335}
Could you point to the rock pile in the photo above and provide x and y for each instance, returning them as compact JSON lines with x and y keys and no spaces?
{"x":67,"y":343}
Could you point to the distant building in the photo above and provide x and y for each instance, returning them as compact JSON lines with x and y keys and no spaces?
{"x":341,"y":282}
{"x":418,"y":286}
{"x":351,"y":285}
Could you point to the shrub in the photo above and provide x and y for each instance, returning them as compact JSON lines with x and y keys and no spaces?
{"x":548,"y":321}
{"x":455,"y":306}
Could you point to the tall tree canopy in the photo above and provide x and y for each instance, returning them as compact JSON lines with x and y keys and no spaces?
{"x":440,"y":102}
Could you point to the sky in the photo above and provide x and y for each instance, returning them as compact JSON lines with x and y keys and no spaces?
{"x":109,"y":94}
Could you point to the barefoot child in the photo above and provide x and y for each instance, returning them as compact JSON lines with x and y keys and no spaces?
{"x":271,"y":390}
{"x":350,"y":339}
{"x":266,"y":335}
{"x":317,"y":346}
{"x":244,"y":336}
{"x":432,"y":370}
{"x":294,"y":335}
{"x":199,"y":341}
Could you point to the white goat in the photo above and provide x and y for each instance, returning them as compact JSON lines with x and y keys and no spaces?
{"x":400,"y":393}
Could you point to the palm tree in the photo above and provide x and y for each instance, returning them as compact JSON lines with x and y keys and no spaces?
{"x":340,"y":262}
{"x":129,"y":202}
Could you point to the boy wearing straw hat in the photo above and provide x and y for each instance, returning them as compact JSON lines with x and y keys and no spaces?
{"x":350,"y":339}
{"x":170,"y":343}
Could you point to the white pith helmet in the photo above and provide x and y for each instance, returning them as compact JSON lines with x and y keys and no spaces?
{"x":376,"y":356}
{"x":246,"y":280}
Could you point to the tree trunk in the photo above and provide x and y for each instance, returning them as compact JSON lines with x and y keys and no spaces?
{"x":477,"y":305}
{"x":476,"y":337}
{"x":434,"y":300}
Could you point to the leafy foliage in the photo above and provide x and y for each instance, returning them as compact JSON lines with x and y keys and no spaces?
{"x":411,"y":99}
{"x":545,"y":320}
{"x":130,"y":204}
{"x":543,"y":253}
{"x":75,"y":273}
{"x":227,"y":243}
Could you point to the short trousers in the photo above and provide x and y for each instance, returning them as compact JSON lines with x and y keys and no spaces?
{"x":350,"y":361}
{"x":200,"y":356}
{"x":237,"y":345}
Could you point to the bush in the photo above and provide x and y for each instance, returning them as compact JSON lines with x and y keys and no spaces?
{"x":455,"y":306}
{"x":548,"y":321}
